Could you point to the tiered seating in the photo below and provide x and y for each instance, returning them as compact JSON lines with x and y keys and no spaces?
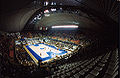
{"x":97,"y":67}
{"x":112,"y":69}
{"x":71,"y":69}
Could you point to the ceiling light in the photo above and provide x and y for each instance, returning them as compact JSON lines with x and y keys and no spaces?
{"x":65,"y":26}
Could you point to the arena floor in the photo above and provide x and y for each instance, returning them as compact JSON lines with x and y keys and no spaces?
{"x":43,"y":51}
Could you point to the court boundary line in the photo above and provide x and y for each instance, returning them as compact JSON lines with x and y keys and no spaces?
{"x":35,"y":60}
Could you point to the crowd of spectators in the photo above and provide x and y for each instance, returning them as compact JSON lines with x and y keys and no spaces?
{"x":22,"y":65}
